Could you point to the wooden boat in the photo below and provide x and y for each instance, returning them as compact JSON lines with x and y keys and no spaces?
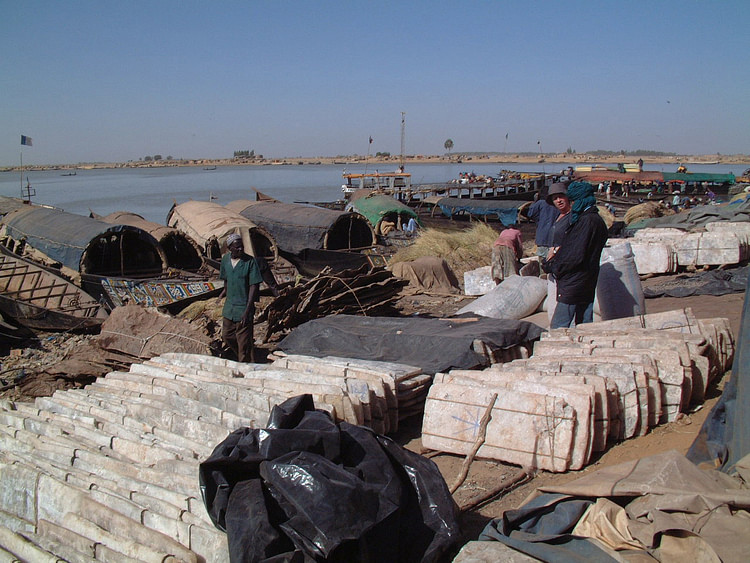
{"x":37,"y":298}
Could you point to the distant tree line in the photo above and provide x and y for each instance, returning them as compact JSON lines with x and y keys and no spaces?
{"x":244,"y":154}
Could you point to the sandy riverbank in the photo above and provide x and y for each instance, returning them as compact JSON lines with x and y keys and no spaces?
{"x":474,"y":158}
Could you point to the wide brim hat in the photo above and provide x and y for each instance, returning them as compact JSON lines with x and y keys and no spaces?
{"x":557,"y":188}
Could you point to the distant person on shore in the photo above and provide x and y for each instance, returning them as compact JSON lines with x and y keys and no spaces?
{"x":575,"y":264}
{"x":242,"y":279}
{"x":507,"y":252}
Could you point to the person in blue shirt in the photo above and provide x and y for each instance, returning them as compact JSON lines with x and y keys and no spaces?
{"x":242,"y":279}
{"x":544,"y":214}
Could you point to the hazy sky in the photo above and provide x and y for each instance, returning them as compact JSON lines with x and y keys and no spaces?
{"x":115,"y":81}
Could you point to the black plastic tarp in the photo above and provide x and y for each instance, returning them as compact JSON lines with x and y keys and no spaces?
{"x":711,"y":282}
{"x":296,"y":227}
{"x":434,"y":345}
{"x":307,"y":489}
{"x":724,"y":438}
{"x":86,"y":245}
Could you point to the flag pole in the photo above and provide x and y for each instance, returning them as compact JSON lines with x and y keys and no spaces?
{"x":21,"y":172}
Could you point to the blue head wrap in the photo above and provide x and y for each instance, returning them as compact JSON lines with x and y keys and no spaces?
{"x":581,"y":195}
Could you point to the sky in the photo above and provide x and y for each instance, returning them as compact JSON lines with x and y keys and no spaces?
{"x":103,"y":81}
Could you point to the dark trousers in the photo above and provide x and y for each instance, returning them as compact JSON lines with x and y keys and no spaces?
{"x":239,"y":339}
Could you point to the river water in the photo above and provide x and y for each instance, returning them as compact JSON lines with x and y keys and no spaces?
{"x":150,"y":192}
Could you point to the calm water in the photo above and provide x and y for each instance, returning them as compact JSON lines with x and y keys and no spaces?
{"x":151,"y":192}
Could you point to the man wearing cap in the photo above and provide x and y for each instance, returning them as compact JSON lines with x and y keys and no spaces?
{"x":544,"y":214}
{"x":575,"y":265}
{"x":242,"y":279}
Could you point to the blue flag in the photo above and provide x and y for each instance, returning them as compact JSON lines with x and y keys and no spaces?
{"x":25,"y":140}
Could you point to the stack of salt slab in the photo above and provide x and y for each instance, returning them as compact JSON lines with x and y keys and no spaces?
{"x":581,"y":389}
{"x":721,"y":243}
{"x":109,"y":472}
{"x":387,"y":392}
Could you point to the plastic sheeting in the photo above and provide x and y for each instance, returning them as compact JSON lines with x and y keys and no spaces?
{"x":434,"y":345}
{"x":712,"y":282}
{"x":724,"y":438}
{"x":506,"y":211}
{"x":305,"y":488}
{"x":296,"y":227}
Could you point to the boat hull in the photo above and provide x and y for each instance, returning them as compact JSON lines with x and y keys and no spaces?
{"x":38,"y":298}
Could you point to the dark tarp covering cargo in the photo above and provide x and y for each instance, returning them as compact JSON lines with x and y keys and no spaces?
{"x":434,"y":345}
{"x":181,"y":251}
{"x":85,"y":245}
{"x":307,"y":489}
{"x":296,"y":227}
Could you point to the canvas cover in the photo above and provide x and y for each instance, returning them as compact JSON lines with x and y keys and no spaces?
{"x":296,"y":227}
{"x":8,"y":204}
{"x":67,"y":238}
{"x":428,"y":273}
{"x":209,"y":224}
{"x":505,"y":210}
{"x":374,"y":207}
{"x":434,"y":345}
{"x":698,"y":177}
{"x":660,"y":506}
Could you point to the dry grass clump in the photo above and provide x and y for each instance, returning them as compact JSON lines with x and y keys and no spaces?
{"x":463,"y":250}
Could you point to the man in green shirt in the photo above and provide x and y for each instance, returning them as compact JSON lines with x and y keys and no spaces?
{"x":242,"y":279}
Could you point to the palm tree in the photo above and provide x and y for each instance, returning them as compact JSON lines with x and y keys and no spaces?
{"x":448,"y":146}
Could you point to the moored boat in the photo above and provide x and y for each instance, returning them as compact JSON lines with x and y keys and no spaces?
{"x":37,"y":298}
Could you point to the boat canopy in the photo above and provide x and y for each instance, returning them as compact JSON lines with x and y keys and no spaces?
{"x":296,"y":227}
{"x":698,"y":177}
{"x":506,"y":210}
{"x":182,"y":252}
{"x":8,"y":204}
{"x":377,"y":207}
{"x":595,"y":176}
{"x":209,"y":224}
{"x":85,"y":245}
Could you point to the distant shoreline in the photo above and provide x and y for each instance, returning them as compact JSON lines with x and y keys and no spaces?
{"x":358,"y":160}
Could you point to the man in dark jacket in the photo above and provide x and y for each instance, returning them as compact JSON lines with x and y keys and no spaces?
{"x":544,"y":214}
{"x":575,"y":265}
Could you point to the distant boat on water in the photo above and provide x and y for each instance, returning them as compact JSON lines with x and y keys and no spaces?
{"x":69,"y":173}
{"x":209,"y":168}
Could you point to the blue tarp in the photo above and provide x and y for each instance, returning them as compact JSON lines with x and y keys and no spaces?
{"x":505,"y":210}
